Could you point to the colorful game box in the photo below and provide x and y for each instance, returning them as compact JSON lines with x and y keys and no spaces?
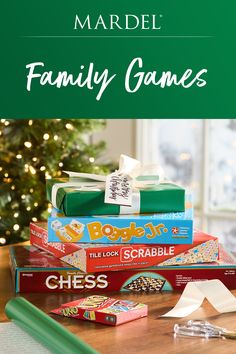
{"x":35,"y":270}
{"x":102,"y":257}
{"x":103,"y":309}
{"x":170,"y":228}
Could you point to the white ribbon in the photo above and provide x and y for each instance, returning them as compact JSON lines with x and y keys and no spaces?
{"x":134,"y":208}
{"x":195,"y":292}
{"x":149,"y":176}
{"x":130,"y":167}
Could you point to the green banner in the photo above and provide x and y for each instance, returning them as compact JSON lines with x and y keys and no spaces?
{"x":118,"y":59}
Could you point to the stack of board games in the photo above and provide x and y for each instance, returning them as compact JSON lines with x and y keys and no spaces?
{"x":88,"y":244}
{"x":91,"y":257}
{"x":120,"y":242}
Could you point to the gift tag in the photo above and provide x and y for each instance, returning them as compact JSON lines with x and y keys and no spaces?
{"x":118,"y":189}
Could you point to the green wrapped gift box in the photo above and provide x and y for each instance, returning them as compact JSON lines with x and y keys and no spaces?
{"x":164,"y":198}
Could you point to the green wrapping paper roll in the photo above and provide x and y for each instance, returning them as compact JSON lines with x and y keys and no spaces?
{"x":44,"y":329}
{"x":163,"y":198}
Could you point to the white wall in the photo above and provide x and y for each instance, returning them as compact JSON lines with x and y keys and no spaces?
{"x":119,"y":136}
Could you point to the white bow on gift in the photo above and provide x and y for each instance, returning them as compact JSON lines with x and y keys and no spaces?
{"x":121,"y":187}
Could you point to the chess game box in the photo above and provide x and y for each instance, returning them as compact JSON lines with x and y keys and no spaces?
{"x":35,"y":270}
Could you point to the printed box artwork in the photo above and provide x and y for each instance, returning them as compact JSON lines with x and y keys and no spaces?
{"x":101,"y":257}
{"x":35,"y":270}
{"x":103,"y":309}
{"x":146,"y":284}
{"x":68,"y":196}
{"x":170,"y":228}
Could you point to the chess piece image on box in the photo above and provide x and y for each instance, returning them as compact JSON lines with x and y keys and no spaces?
{"x":145,"y":284}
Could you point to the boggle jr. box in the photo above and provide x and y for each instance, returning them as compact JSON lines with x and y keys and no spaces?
{"x":162,"y":228}
{"x":101,"y":257}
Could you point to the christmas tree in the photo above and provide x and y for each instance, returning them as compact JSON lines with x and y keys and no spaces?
{"x":30,"y":152}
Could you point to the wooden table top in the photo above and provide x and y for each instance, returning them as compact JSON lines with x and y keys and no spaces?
{"x":152,"y":334}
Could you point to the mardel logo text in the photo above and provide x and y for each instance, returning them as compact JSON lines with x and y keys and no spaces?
{"x":129,"y":22}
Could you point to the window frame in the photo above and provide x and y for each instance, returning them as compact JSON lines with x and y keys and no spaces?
{"x":145,"y":149}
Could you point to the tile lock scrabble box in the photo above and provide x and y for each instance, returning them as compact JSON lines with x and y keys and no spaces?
{"x":101,"y":257}
{"x":35,"y":270}
{"x":169,"y":228}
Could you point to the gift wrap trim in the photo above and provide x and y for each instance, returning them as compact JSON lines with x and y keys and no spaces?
{"x":91,"y":201}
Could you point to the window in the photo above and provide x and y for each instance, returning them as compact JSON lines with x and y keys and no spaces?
{"x":201,"y":155}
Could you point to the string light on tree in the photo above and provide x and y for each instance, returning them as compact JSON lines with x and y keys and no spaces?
{"x":69,"y":126}
{"x":16,"y":227}
{"x":28,"y":144}
{"x":32,"y":170}
{"x":47,"y":175}
{"x":46,"y":136}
